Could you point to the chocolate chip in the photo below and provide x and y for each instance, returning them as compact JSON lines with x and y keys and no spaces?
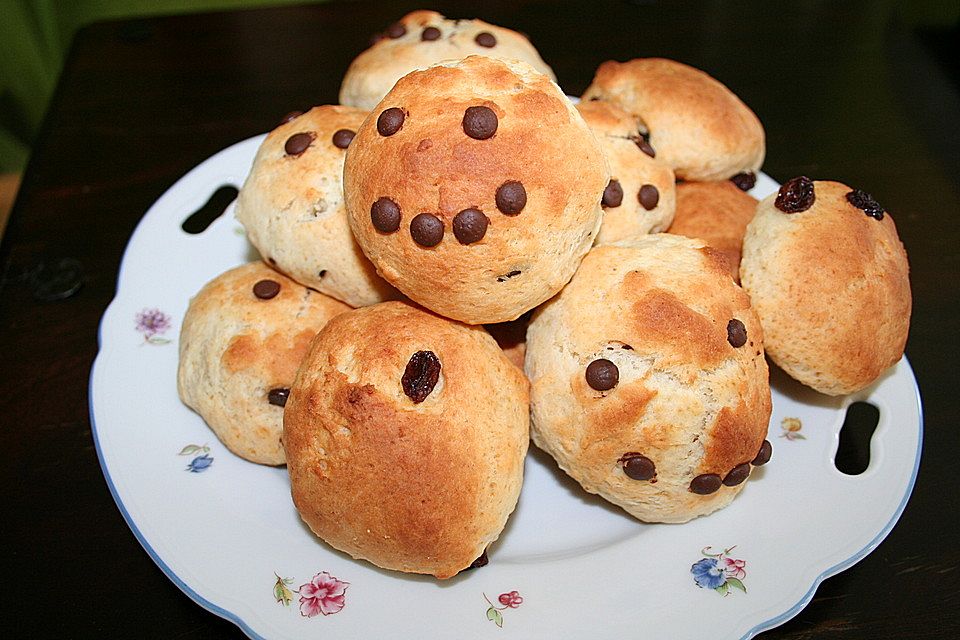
{"x":272,"y":261}
{"x":426,"y":230}
{"x":602,"y":375}
{"x":266,"y":289}
{"x":736,"y":333}
{"x":795,"y":195}
{"x":865,"y":202}
{"x":396,"y":30}
{"x":421,"y":375}
{"x":637,"y":466}
{"x":290,"y":117}
{"x":323,"y":273}
{"x":278,"y":396}
{"x":390,"y":121}
{"x":643,"y":142}
{"x":479,"y":123}
{"x":612,"y":195}
{"x":763,"y":456}
{"x":299,"y":142}
{"x":737,"y":475}
{"x":385,"y":215}
{"x":745,"y":181}
{"x":486,"y":39}
{"x":507,"y":276}
{"x":469,"y":226}
{"x":511,"y":198}
{"x":343,"y":138}
{"x":648,"y":196}
{"x":705,"y":484}
{"x":430,"y":33}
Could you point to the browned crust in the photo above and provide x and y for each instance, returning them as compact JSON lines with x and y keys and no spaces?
{"x":419,"y":488}
{"x":696,"y":124}
{"x":235,"y":348}
{"x":717,"y":213}
{"x":431,"y":166}
{"x":832,"y":288}
{"x":688,"y":400}
{"x":617,"y":132}
{"x":372,"y":73}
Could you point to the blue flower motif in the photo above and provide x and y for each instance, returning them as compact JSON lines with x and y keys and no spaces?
{"x":707,"y":573}
{"x":200,"y":463}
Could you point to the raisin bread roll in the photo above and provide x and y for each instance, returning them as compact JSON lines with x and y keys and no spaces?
{"x":405,"y":436}
{"x":829,"y":278}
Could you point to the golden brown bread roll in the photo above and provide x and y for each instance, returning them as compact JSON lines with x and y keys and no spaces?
{"x":641,"y":195}
{"x":241,"y":342}
{"x":648,"y":381}
{"x":405,"y":436}
{"x":421,"y":39}
{"x":718,"y":213}
{"x":291,"y":205}
{"x":475,"y":187}
{"x":693,"y":122}
{"x":829,"y":278}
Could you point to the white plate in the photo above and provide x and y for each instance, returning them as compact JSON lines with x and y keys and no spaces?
{"x":225,"y":530}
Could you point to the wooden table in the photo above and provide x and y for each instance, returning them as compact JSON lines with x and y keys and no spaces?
{"x":843,"y":90}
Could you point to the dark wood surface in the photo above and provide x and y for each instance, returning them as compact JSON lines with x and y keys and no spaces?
{"x":845,"y":92}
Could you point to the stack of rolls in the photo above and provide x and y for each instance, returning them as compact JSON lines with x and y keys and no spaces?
{"x":459,"y":258}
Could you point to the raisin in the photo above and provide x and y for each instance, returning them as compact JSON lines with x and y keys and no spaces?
{"x":865,"y":202}
{"x":745,"y":181}
{"x":421,"y":375}
{"x":795,"y":195}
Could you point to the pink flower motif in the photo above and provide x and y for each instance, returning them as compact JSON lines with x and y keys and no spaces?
{"x":151,"y":322}
{"x":733,"y":568}
{"x":512,"y":599}
{"x":323,"y":594}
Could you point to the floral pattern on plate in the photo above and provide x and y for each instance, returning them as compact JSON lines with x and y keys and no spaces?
{"x":791,"y":429}
{"x":323,"y":594}
{"x":508,"y":600}
{"x":719,"y":571}
{"x":201,"y":462}
{"x":152,"y":324}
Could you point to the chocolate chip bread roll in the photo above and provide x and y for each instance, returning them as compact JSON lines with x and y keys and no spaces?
{"x":242,"y":339}
{"x":648,"y":381}
{"x":692,"y":122}
{"x":828,"y":276}
{"x":641,"y":195}
{"x":475,"y":188}
{"x":716,"y":212}
{"x":422,"y":39}
{"x":292,"y":208}
{"x":405,"y":436}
